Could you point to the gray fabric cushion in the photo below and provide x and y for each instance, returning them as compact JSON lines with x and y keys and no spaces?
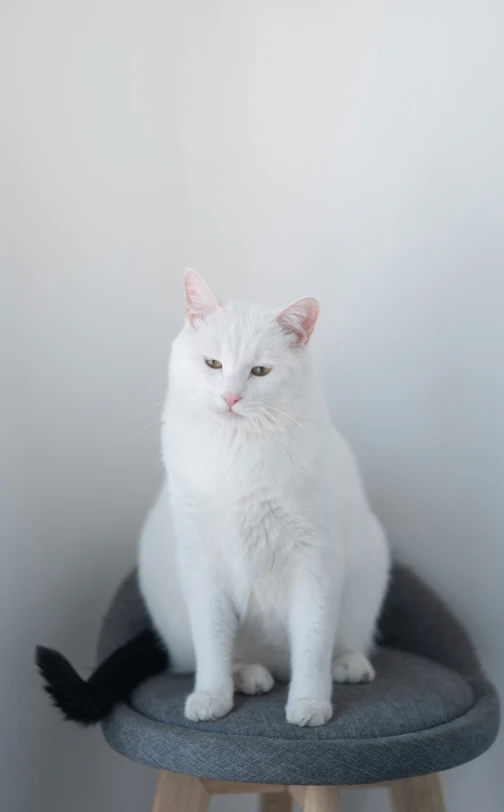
{"x":430,"y":708}
{"x":410,"y":693}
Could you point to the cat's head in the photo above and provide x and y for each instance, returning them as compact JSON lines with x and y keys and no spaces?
{"x":239,"y":361}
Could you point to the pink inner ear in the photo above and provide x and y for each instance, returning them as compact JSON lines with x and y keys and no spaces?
{"x":299,"y":318}
{"x":200,"y":301}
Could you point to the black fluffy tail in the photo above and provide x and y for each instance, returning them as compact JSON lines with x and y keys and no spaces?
{"x":112,"y":682}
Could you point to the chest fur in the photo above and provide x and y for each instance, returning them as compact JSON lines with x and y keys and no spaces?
{"x":256,"y":502}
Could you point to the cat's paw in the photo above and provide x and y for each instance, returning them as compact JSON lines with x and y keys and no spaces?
{"x":203,"y":707}
{"x":308,"y":712}
{"x":353,"y":667}
{"x":252,"y":678}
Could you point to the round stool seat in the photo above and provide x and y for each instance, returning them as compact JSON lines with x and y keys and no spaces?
{"x":429,"y":709}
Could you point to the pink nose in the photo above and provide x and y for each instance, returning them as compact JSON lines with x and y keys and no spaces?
{"x":231,"y":399}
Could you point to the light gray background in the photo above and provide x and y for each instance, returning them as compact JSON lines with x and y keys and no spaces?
{"x":352,"y":150}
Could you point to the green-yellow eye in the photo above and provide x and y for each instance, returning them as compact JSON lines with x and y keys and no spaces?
{"x":260,"y":371}
{"x":211,"y":362}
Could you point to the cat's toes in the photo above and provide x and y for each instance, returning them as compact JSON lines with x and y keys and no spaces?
{"x":252,"y":679}
{"x":202,"y":707}
{"x":353,"y":667}
{"x":308,"y":712}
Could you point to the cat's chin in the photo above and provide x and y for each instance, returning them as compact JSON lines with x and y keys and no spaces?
{"x":225,"y":415}
{"x":232,"y":416}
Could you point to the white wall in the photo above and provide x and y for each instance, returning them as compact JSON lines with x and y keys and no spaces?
{"x":351,"y":150}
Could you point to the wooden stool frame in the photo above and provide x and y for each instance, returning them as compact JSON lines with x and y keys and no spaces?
{"x":183,"y":793}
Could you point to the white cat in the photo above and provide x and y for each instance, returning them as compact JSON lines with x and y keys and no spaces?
{"x":261,"y":559}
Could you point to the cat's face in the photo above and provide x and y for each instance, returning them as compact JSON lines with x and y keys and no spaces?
{"x":239,"y":361}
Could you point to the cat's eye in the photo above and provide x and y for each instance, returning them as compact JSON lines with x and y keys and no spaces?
{"x":260,"y":371}
{"x":211,"y":362}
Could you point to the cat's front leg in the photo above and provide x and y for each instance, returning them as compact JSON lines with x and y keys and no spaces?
{"x":315,"y":598}
{"x":213,"y":626}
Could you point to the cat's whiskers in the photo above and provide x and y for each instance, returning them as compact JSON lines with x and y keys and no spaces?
{"x":142,"y":412}
{"x":301,"y":427}
{"x":286,"y":432}
{"x":157,"y":421}
{"x":265,"y":425}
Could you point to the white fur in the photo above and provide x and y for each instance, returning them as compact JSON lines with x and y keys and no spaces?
{"x":261,"y":556}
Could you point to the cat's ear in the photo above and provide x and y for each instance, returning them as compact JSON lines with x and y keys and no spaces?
{"x":299,"y":318}
{"x":199,"y":299}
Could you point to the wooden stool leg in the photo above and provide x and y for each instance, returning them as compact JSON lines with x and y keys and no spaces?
{"x":322,"y":799}
{"x":423,"y":794}
{"x":275,"y":802}
{"x":179,"y":793}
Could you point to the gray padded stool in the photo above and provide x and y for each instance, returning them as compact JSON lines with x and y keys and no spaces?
{"x":429,"y":709}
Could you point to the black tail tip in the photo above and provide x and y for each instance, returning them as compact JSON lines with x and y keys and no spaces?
{"x":113,"y":680}
{"x":46,"y":659}
{"x":68,"y":691}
